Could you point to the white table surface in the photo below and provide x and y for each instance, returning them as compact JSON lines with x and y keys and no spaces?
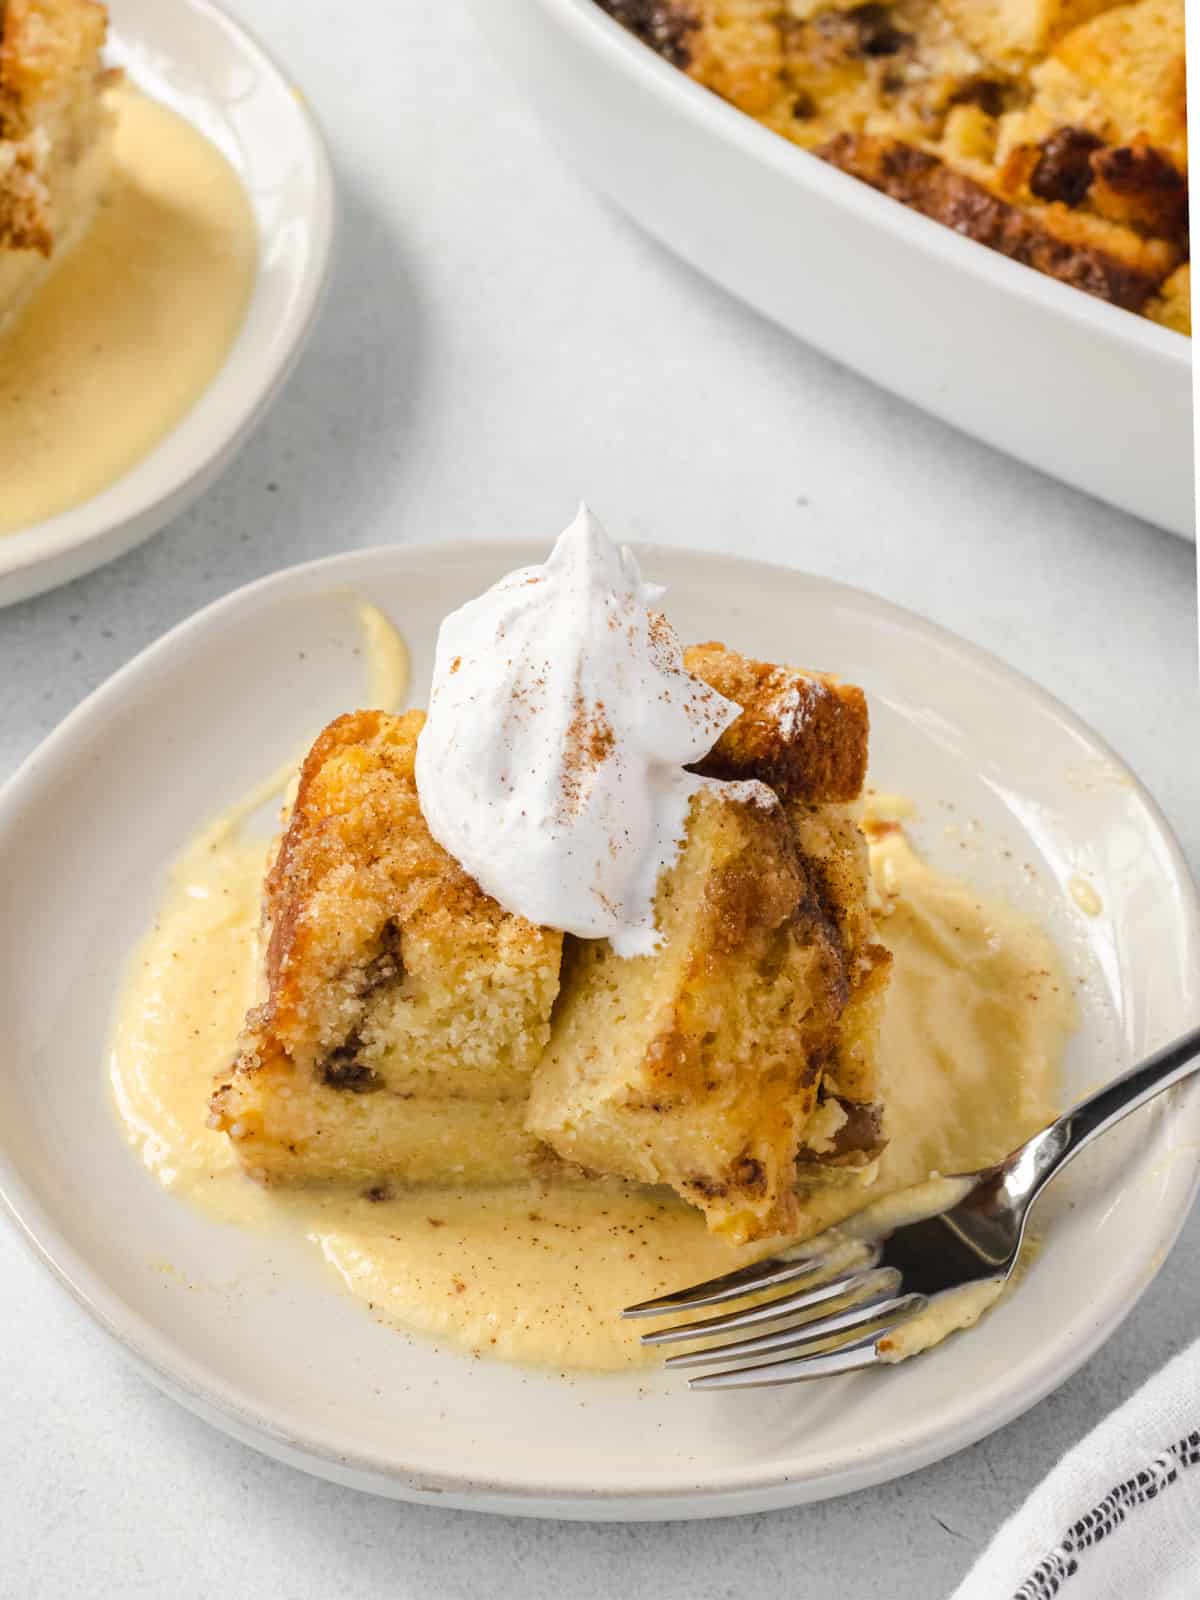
{"x":497,"y":344}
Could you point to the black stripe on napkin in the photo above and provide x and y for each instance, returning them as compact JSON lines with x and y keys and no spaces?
{"x":1051,"y":1573}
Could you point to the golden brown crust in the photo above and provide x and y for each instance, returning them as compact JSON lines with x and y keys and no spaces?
{"x":43,"y":45}
{"x":356,"y":863}
{"x":1125,"y":72}
{"x":804,"y":734}
{"x":928,"y":185}
{"x":42,"y":42}
{"x":665,"y":25}
{"x":1136,"y":185}
{"x":25,"y":213}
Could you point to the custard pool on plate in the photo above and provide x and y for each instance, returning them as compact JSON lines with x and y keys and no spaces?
{"x":128,"y":251}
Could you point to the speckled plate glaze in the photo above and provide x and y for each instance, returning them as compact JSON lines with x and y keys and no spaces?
{"x":249,"y":1331}
{"x":191,"y":56}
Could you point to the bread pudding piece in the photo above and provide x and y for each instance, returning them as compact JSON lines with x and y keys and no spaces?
{"x":806,"y":734}
{"x":699,"y":1065}
{"x":55,"y":135}
{"x":1050,"y":130}
{"x":404,"y":1010}
{"x":802,"y":733}
{"x":739,"y":1062}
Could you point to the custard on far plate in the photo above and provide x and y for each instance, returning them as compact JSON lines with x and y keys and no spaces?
{"x":131,"y":326}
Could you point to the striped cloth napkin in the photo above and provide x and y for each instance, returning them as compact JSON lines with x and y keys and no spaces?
{"x":1119,"y":1517}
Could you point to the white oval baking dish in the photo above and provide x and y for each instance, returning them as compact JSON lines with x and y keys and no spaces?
{"x":1089,"y":393}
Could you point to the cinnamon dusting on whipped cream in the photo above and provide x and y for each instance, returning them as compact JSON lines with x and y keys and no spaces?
{"x":561,"y":721}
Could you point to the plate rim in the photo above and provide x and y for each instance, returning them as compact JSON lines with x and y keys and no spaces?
{"x":746,"y":1489}
{"x":78,"y":539}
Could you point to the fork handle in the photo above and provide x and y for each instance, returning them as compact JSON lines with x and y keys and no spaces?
{"x":1078,"y":1127}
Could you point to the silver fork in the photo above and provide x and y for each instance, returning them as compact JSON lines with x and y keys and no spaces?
{"x":964,"y":1231}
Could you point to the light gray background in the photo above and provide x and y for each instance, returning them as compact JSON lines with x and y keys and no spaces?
{"x":498,"y":343}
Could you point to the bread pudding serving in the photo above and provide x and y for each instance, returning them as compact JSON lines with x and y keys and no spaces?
{"x":604,"y":914}
{"x":605,"y":973}
{"x":1053,"y":131}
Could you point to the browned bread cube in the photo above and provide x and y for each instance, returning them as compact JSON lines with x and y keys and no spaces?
{"x":699,"y":1065}
{"x":803,"y":733}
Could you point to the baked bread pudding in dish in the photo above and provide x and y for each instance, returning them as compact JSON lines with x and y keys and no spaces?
{"x":695,"y":1002}
{"x":55,"y":136}
{"x":1053,"y":131}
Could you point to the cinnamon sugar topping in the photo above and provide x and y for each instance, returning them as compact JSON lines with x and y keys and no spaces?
{"x":554,"y":768}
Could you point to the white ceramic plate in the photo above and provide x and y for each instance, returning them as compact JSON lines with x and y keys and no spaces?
{"x":191,"y":56}
{"x":1088,"y":393}
{"x":254,"y":1334}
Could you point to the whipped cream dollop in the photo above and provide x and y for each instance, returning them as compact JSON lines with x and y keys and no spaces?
{"x":561,"y":718}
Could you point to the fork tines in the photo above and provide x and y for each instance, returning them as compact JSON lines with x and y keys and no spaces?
{"x":846,"y":1304}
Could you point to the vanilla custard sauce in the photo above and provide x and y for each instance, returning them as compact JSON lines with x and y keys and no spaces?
{"x":132,"y":325}
{"x":978,"y":1014}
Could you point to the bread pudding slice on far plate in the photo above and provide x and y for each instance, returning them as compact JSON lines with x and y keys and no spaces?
{"x":55,"y":136}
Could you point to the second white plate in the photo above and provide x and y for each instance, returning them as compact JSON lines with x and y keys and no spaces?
{"x":249,"y":1331}
{"x":191,"y":56}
